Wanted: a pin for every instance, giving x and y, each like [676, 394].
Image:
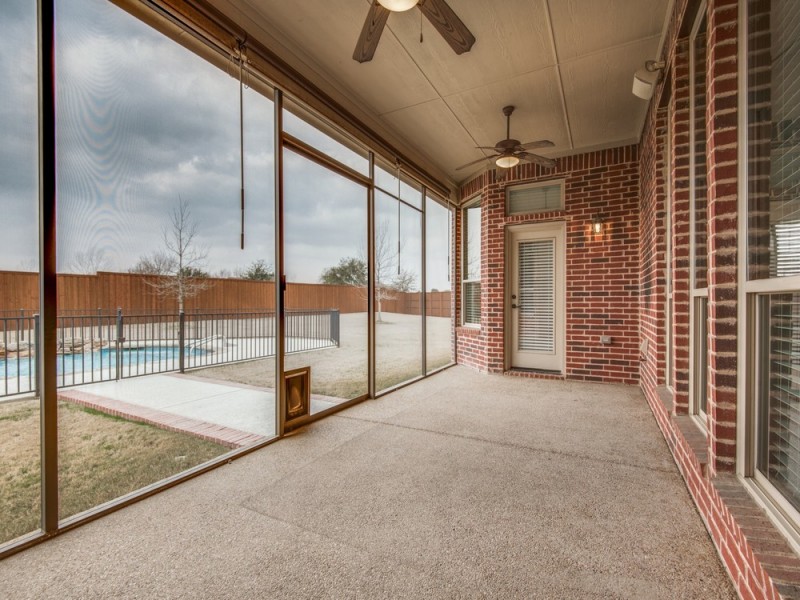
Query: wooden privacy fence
[134, 293]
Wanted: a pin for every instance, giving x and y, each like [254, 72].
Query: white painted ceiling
[567, 65]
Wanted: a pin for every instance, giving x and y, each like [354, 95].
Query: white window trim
[669, 311]
[471, 203]
[783, 515]
[556, 228]
[743, 467]
[694, 410]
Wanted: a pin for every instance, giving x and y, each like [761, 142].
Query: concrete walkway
[464, 485]
[224, 412]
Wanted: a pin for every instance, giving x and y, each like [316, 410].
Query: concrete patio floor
[463, 485]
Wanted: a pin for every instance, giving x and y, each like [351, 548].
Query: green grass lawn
[100, 458]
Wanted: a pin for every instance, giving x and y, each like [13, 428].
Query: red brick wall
[653, 249]
[470, 348]
[757, 557]
[602, 276]
[759, 561]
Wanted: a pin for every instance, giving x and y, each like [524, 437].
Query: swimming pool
[148, 360]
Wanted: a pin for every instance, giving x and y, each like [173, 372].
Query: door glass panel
[398, 265]
[438, 297]
[20, 472]
[325, 262]
[153, 285]
[536, 302]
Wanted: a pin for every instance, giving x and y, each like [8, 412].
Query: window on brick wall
[773, 250]
[698, 219]
[668, 309]
[535, 197]
[471, 267]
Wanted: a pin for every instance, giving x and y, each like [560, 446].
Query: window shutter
[531, 199]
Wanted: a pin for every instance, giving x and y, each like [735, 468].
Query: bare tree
[389, 278]
[185, 276]
[157, 263]
[89, 261]
[386, 267]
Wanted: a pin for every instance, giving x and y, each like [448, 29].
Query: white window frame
[699, 417]
[474, 202]
[785, 516]
[669, 313]
[532, 185]
[782, 514]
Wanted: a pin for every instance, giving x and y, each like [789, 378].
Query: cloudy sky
[142, 123]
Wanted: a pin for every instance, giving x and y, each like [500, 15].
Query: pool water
[147, 359]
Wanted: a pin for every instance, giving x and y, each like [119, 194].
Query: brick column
[470, 341]
[722, 149]
[652, 249]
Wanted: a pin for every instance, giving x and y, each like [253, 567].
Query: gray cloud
[143, 122]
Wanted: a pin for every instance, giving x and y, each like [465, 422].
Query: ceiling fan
[509, 152]
[438, 12]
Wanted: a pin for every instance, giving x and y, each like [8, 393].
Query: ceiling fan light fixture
[507, 161]
[398, 5]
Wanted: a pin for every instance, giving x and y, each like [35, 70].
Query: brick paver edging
[219, 434]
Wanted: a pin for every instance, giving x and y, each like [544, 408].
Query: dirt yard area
[342, 372]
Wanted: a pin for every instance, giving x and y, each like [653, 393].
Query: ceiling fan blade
[371, 32]
[536, 159]
[475, 162]
[537, 144]
[448, 25]
[494, 148]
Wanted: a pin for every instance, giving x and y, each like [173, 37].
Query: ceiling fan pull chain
[397, 166]
[420, 27]
[242, 58]
[398, 238]
[449, 239]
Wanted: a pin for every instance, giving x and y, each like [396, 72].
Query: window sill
[695, 438]
[755, 517]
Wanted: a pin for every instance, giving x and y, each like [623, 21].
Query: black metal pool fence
[103, 345]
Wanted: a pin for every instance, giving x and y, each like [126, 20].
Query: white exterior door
[536, 297]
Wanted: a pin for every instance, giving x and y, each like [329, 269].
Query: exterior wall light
[597, 224]
[507, 161]
[398, 5]
[644, 80]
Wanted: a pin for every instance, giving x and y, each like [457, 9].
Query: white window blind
[780, 432]
[472, 303]
[536, 305]
[531, 199]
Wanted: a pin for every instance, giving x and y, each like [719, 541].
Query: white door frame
[558, 230]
